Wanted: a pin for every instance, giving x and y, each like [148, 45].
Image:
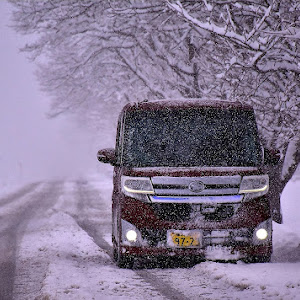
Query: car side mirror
[271, 157]
[107, 156]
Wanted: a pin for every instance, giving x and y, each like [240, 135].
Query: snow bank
[274, 280]
[286, 236]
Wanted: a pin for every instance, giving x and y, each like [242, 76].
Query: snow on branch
[213, 28]
[259, 24]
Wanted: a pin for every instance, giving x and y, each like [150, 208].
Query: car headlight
[131, 236]
[254, 186]
[137, 187]
[262, 234]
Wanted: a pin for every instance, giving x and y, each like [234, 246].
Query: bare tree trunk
[274, 194]
[278, 181]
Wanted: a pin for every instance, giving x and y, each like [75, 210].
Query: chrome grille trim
[179, 186]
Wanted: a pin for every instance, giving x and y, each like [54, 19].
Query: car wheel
[122, 261]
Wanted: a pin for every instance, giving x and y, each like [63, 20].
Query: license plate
[184, 238]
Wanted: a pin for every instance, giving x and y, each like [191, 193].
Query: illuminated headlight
[137, 187]
[263, 232]
[130, 234]
[254, 186]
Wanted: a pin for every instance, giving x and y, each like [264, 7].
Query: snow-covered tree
[96, 55]
[256, 52]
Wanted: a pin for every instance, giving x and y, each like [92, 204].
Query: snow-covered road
[55, 244]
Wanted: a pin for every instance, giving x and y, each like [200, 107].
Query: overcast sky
[33, 147]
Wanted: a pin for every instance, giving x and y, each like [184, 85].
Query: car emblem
[196, 186]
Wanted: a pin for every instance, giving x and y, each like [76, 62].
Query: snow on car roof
[184, 103]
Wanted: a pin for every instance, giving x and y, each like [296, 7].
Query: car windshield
[190, 137]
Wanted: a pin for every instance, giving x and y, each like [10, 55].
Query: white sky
[32, 147]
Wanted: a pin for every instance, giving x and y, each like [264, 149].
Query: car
[189, 181]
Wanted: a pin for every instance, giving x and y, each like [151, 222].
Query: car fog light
[131, 235]
[261, 234]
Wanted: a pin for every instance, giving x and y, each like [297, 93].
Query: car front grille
[196, 186]
[180, 212]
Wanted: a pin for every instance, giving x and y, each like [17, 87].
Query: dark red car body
[210, 200]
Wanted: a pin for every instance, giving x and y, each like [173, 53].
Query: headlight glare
[261, 234]
[131, 235]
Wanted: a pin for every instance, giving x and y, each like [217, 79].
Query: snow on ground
[7, 188]
[78, 269]
[75, 267]
[14, 205]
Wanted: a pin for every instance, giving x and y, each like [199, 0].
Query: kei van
[189, 181]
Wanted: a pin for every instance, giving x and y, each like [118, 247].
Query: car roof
[184, 103]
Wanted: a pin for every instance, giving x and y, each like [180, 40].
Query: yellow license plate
[184, 238]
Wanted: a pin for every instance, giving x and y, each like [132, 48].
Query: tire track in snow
[14, 227]
[93, 216]
[90, 199]
[19, 193]
[162, 286]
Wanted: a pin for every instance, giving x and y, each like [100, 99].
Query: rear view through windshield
[191, 137]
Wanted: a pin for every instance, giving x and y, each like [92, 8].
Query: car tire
[122, 261]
